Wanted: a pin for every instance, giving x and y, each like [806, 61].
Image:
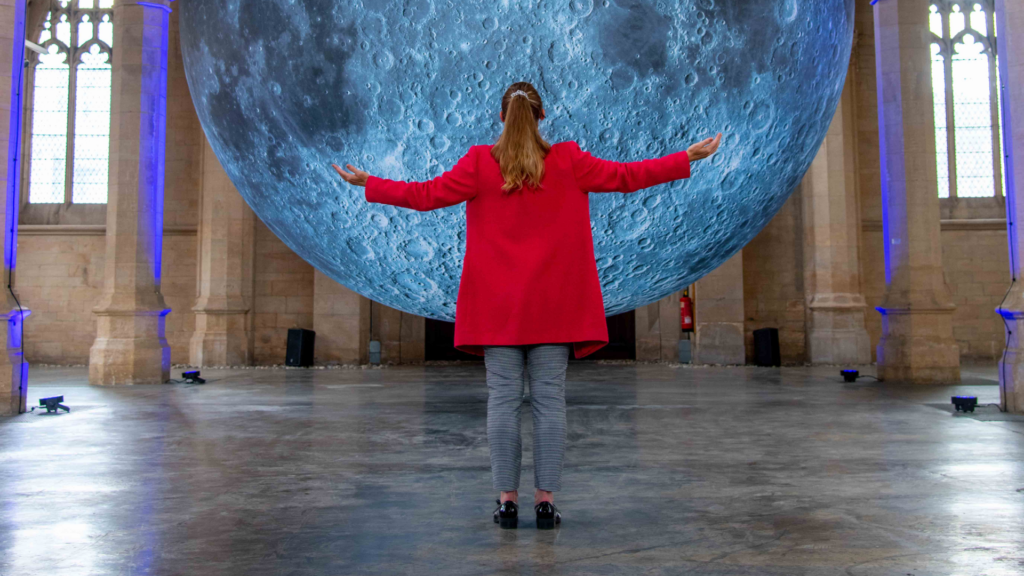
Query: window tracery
[966, 94]
[70, 113]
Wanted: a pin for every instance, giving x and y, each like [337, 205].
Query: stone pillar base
[720, 343]
[829, 346]
[918, 348]
[836, 332]
[15, 371]
[221, 338]
[130, 348]
[13, 368]
[1011, 366]
[1011, 378]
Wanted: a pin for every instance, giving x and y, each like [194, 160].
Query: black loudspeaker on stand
[300, 347]
[766, 347]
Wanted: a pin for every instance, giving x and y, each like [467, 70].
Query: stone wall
[59, 278]
[873, 283]
[977, 271]
[178, 285]
[283, 296]
[977, 267]
[773, 283]
[184, 143]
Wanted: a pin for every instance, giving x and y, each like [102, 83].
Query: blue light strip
[16, 323]
[1007, 131]
[14, 139]
[160, 6]
[160, 151]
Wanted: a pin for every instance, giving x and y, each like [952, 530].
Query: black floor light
[53, 404]
[192, 377]
[965, 403]
[850, 375]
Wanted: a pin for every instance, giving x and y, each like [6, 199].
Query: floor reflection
[386, 471]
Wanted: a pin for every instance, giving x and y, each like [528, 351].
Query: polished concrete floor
[669, 470]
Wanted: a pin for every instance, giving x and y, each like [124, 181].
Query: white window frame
[55, 213]
[946, 44]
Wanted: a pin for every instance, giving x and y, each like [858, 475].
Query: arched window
[966, 91]
[70, 114]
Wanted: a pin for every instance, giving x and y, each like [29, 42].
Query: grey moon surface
[402, 89]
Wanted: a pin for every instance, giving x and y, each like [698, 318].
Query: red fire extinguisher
[686, 310]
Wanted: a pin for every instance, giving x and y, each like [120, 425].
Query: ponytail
[520, 149]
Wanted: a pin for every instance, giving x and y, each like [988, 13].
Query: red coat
[529, 274]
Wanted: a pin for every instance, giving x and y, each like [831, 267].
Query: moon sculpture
[403, 88]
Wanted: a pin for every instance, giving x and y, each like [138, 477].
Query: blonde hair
[520, 150]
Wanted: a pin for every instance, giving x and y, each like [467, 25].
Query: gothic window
[966, 91]
[70, 104]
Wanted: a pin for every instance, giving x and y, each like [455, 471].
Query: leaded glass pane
[972, 110]
[956, 22]
[966, 98]
[941, 144]
[979, 21]
[84, 30]
[48, 162]
[935, 21]
[1001, 151]
[106, 32]
[76, 25]
[92, 128]
[64, 30]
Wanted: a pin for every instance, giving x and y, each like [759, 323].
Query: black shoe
[547, 515]
[507, 514]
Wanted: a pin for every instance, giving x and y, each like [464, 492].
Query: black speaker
[766, 347]
[300, 347]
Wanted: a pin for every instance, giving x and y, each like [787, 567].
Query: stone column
[917, 342]
[13, 368]
[835, 304]
[658, 330]
[1010, 18]
[341, 320]
[130, 347]
[227, 230]
[718, 315]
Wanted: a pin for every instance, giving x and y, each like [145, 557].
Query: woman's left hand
[704, 148]
[357, 177]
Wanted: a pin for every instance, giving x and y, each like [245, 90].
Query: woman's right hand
[356, 177]
[704, 148]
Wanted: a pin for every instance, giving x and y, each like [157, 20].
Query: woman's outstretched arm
[597, 175]
[454, 186]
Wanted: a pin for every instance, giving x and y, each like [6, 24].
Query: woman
[529, 289]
